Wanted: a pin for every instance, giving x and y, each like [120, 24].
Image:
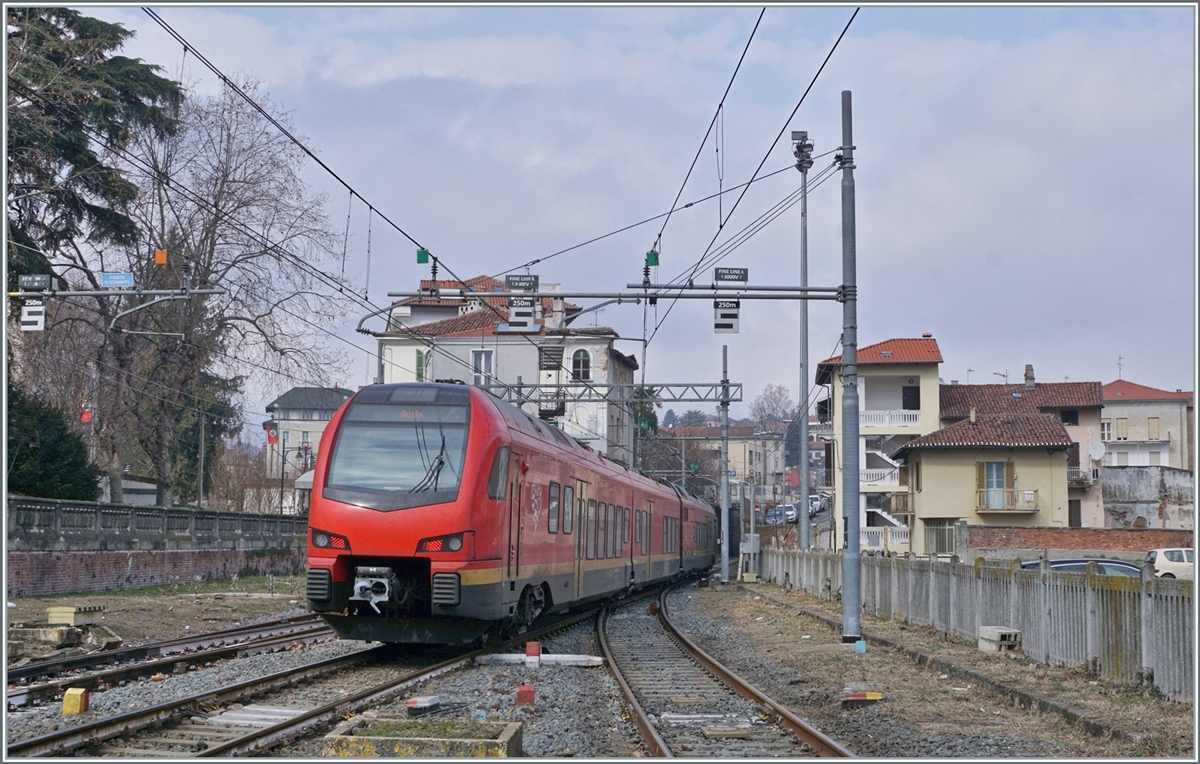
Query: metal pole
[724, 464]
[803, 162]
[753, 502]
[683, 463]
[200, 497]
[851, 564]
[282, 451]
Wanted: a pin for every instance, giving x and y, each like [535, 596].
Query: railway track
[225, 722]
[687, 704]
[144, 661]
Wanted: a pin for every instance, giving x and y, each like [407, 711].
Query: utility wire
[767, 155]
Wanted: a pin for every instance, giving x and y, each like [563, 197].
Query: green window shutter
[1010, 475]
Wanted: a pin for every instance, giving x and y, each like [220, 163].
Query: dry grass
[162, 612]
[934, 702]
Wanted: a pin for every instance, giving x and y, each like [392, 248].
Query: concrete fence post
[1145, 620]
[1044, 607]
[908, 575]
[933, 590]
[1090, 631]
[952, 616]
[979, 598]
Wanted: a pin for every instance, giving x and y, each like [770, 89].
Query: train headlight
[453, 543]
[326, 540]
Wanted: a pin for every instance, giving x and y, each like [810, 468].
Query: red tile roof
[1124, 390]
[922, 350]
[957, 400]
[989, 431]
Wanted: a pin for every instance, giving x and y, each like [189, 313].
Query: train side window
[590, 529]
[601, 531]
[552, 518]
[619, 517]
[498, 481]
[637, 526]
[625, 525]
[611, 549]
[647, 542]
[568, 504]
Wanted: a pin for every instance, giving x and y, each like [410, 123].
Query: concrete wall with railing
[1129, 630]
[56, 547]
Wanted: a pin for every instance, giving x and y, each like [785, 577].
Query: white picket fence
[1122, 628]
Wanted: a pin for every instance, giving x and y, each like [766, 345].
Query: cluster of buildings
[931, 453]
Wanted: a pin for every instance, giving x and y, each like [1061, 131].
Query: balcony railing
[884, 418]
[902, 504]
[1079, 476]
[879, 477]
[1005, 500]
[883, 538]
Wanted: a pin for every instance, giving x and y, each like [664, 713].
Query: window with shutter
[1152, 428]
[1122, 428]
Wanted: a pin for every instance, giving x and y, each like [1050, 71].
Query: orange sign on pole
[160, 257]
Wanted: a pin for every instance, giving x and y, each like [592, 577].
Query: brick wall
[32, 574]
[983, 540]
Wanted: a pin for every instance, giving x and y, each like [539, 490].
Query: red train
[440, 514]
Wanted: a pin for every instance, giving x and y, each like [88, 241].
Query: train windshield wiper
[430, 481]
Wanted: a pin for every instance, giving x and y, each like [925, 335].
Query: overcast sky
[1026, 177]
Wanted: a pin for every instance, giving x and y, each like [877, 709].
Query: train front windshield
[398, 455]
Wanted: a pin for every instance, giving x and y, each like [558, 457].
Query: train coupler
[373, 585]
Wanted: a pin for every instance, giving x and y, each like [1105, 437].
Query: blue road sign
[116, 280]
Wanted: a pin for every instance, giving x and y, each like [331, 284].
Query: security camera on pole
[803, 151]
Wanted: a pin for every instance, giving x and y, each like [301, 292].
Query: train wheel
[533, 602]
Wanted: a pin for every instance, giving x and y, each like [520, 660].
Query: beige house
[756, 458]
[1006, 470]
[1145, 427]
[1077, 406]
[899, 400]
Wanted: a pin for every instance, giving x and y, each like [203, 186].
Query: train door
[647, 548]
[514, 524]
[581, 494]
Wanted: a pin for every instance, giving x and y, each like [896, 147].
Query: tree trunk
[166, 464]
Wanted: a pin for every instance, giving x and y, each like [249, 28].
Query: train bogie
[440, 513]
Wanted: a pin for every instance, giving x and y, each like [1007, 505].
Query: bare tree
[773, 404]
[223, 196]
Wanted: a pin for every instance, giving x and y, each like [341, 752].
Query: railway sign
[35, 282]
[726, 321]
[33, 316]
[116, 280]
[520, 314]
[731, 274]
[527, 282]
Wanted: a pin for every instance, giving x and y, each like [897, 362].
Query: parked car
[775, 516]
[1173, 563]
[790, 515]
[1107, 567]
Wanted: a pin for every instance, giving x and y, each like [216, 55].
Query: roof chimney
[1029, 384]
[954, 381]
[972, 415]
[927, 335]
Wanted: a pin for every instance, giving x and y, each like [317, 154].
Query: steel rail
[157, 649]
[131, 721]
[22, 695]
[653, 741]
[284, 731]
[822, 744]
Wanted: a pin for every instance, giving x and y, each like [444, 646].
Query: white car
[1173, 563]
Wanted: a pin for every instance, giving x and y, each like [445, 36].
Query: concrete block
[74, 615]
[381, 737]
[524, 695]
[75, 701]
[48, 636]
[998, 639]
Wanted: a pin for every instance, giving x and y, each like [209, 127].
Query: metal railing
[1005, 499]
[1128, 630]
[888, 476]
[901, 504]
[889, 418]
[1079, 476]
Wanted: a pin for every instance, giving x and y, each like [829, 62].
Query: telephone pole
[851, 564]
[725, 464]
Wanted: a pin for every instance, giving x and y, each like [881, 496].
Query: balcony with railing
[889, 418]
[1079, 477]
[887, 538]
[1005, 500]
[902, 504]
[889, 476]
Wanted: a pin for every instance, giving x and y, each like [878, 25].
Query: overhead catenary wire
[766, 156]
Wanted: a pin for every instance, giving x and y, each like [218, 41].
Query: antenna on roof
[1120, 367]
[1005, 375]
[969, 375]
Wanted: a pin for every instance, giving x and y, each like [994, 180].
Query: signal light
[325, 540]
[452, 543]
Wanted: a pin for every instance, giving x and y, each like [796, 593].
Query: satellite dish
[1097, 451]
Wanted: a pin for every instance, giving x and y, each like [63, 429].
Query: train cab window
[568, 504]
[498, 480]
[590, 529]
[552, 518]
